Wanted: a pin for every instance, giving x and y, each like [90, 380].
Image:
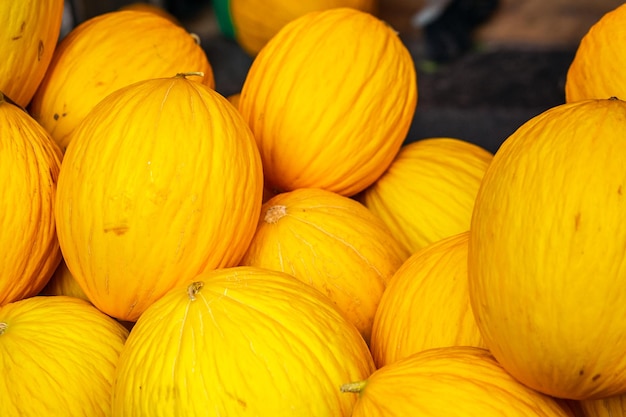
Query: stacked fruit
[169, 251]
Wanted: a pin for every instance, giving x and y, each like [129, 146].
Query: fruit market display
[105, 53]
[428, 191]
[168, 251]
[331, 242]
[252, 23]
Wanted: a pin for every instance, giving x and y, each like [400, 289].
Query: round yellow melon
[456, 381]
[330, 100]
[30, 31]
[240, 341]
[253, 22]
[59, 356]
[426, 304]
[428, 192]
[332, 243]
[105, 53]
[30, 162]
[597, 70]
[164, 181]
[546, 263]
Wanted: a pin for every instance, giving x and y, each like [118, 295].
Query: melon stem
[189, 74]
[193, 289]
[355, 387]
[274, 214]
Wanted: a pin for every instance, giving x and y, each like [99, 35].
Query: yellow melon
[330, 99]
[546, 261]
[105, 53]
[332, 243]
[456, 381]
[253, 22]
[58, 358]
[30, 31]
[30, 163]
[240, 341]
[428, 192]
[63, 282]
[164, 181]
[597, 68]
[426, 304]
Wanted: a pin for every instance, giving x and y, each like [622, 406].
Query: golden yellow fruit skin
[614, 406]
[63, 283]
[428, 192]
[164, 182]
[456, 381]
[256, 22]
[332, 243]
[330, 100]
[30, 31]
[597, 70]
[426, 304]
[58, 357]
[30, 162]
[546, 251]
[105, 53]
[249, 342]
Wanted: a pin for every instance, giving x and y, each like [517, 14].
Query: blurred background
[513, 66]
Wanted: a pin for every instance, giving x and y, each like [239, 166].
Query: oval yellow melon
[426, 304]
[428, 192]
[332, 243]
[105, 53]
[164, 182]
[240, 341]
[59, 356]
[30, 162]
[330, 99]
[546, 261]
[455, 381]
[30, 31]
[597, 70]
[254, 23]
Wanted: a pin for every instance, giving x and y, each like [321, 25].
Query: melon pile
[284, 251]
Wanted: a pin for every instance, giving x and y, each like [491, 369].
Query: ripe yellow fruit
[30, 31]
[614, 406]
[428, 192]
[426, 304]
[63, 282]
[240, 341]
[597, 70]
[546, 261]
[59, 356]
[30, 162]
[330, 99]
[332, 243]
[162, 180]
[455, 381]
[255, 22]
[108, 52]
